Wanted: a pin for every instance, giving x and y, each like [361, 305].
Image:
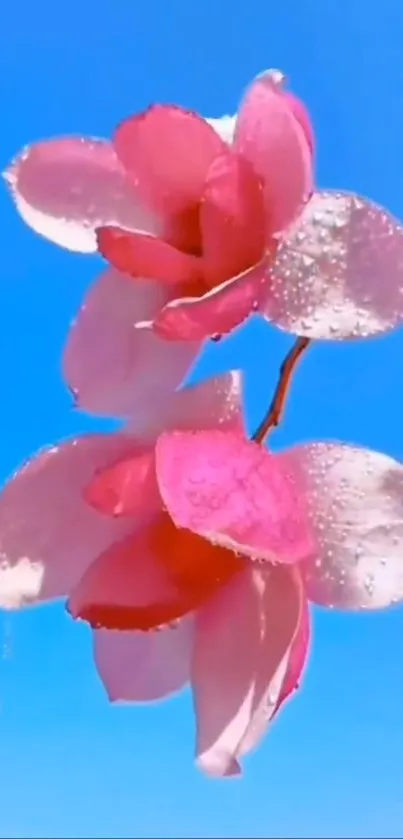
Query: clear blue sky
[70, 765]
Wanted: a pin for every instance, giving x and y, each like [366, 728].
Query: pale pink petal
[144, 666]
[48, 534]
[142, 255]
[167, 152]
[242, 647]
[64, 189]
[215, 313]
[299, 655]
[234, 493]
[117, 369]
[271, 138]
[302, 115]
[338, 273]
[232, 219]
[355, 499]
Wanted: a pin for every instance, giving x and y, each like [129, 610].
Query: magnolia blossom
[221, 218]
[171, 200]
[194, 560]
[185, 210]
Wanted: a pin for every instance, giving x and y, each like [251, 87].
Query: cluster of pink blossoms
[191, 551]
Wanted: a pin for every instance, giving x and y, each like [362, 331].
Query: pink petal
[141, 255]
[215, 313]
[234, 493]
[338, 272]
[302, 115]
[167, 152]
[232, 219]
[299, 655]
[144, 666]
[355, 498]
[149, 579]
[242, 646]
[273, 141]
[126, 488]
[64, 189]
[127, 588]
[116, 369]
[48, 534]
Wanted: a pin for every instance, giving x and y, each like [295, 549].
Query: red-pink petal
[149, 579]
[142, 255]
[144, 666]
[234, 493]
[167, 152]
[271, 138]
[338, 272]
[355, 498]
[243, 640]
[232, 219]
[117, 369]
[215, 313]
[125, 488]
[48, 534]
[64, 189]
[127, 588]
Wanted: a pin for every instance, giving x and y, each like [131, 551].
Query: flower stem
[278, 403]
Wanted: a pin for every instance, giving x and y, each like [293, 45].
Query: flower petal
[234, 493]
[234, 704]
[355, 499]
[215, 313]
[48, 534]
[144, 666]
[338, 273]
[270, 137]
[151, 578]
[64, 189]
[127, 487]
[302, 115]
[116, 369]
[167, 152]
[299, 655]
[232, 219]
[141, 255]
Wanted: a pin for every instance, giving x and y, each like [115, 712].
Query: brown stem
[276, 409]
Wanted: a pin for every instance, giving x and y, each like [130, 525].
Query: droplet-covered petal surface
[49, 535]
[66, 188]
[338, 273]
[355, 499]
[234, 493]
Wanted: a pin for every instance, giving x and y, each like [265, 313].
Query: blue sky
[70, 765]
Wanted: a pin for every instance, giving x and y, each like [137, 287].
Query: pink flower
[186, 210]
[210, 210]
[217, 543]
